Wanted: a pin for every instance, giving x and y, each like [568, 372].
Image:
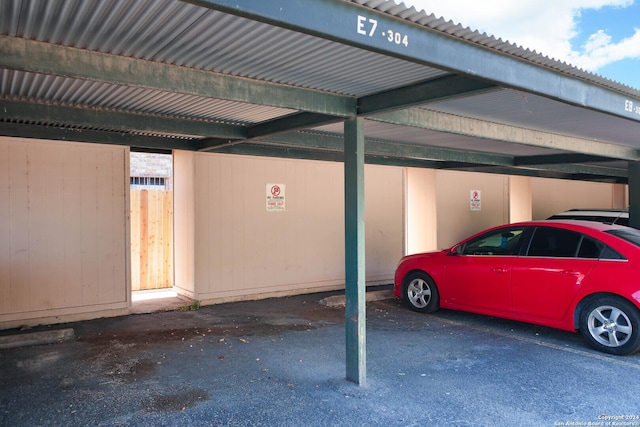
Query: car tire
[421, 293]
[611, 324]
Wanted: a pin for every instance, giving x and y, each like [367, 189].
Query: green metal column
[355, 314]
[634, 194]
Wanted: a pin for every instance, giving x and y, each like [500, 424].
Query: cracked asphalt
[281, 362]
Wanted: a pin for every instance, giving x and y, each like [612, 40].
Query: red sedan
[570, 275]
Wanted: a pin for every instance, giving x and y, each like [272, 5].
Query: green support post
[355, 314]
[634, 194]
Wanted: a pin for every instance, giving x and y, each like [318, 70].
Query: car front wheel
[421, 293]
[611, 325]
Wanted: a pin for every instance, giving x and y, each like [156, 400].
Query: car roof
[575, 224]
[568, 224]
[597, 210]
[613, 213]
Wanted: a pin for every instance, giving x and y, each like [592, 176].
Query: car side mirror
[455, 251]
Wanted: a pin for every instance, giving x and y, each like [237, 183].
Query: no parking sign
[275, 197]
[475, 201]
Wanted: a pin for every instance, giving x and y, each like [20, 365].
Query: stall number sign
[475, 200]
[275, 198]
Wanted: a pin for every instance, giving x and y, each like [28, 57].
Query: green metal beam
[542, 173]
[421, 93]
[375, 147]
[428, 91]
[634, 194]
[384, 148]
[416, 94]
[38, 57]
[312, 140]
[290, 123]
[142, 142]
[317, 145]
[263, 150]
[287, 152]
[327, 148]
[216, 144]
[551, 159]
[444, 122]
[599, 179]
[583, 169]
[17, 111]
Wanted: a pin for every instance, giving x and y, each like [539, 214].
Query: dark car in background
[606, 216]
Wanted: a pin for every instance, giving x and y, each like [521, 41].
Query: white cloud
[546, 26]
[600, 51]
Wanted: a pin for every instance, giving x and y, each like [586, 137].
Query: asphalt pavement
[281, 362]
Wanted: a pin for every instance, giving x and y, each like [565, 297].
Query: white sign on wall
[275, 197]
[475, 200]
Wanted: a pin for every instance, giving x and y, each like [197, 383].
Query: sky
[599, 36]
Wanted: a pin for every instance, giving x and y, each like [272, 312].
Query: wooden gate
[151, 239]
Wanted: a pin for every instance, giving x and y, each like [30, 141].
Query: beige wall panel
[242, 249]
[456, 220]
[184, 222]
[246, 247]
[65, 220]
[5, 227]
[44, 213]
[112, 247]
[519, 198]
[421, 211]
[620, 196]
[550, 196]
[383, 221]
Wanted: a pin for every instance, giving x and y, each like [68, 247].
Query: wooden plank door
[151, 239]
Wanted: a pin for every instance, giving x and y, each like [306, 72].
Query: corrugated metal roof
[427, 138]
[522, 109]
[185, 35]
[179, 33]
[465, 33]
[57, 90]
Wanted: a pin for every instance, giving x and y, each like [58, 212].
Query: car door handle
[571, 272]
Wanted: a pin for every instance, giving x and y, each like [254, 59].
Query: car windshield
[629, 234]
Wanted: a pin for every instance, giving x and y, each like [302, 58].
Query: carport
[363, 81]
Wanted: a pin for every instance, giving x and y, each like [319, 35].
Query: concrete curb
[37, 338]
[340, 300]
